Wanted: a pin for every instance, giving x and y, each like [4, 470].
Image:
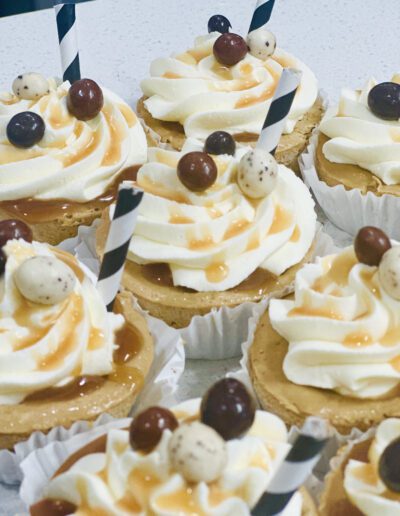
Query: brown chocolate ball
[220, 142]
[85, 99]
[53, 507]
[197, 171]
[389, 466]
[370, 245]
[229, 49]
[13, 229]
[229, 408]
[3, 260]
[147, 428]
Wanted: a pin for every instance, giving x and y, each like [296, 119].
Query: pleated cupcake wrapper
[159, 389]
[350, 210]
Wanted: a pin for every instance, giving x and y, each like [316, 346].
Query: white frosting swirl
[75, 160]
[343, 329]
[214, 240]
[358, 137]
[361, 480]
[122, 481]
[44, 346]
[195, 90]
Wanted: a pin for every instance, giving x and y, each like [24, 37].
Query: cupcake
[63, 357]
[333, 349]
[353, 167]
[63, 151]
[365, 477]
[184, 461]
[226, 83]
[215, 230]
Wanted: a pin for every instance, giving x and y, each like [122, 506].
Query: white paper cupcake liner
[350, 210]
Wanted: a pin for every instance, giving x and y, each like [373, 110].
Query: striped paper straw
[67, 37]
[262, 14]
[295, 469]
[118, 240]
[280, 106]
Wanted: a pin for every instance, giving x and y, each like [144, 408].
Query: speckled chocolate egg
[197, 452]
[261, 43]
[389, 272]
[257, 173]
[30, 86]
[44, 280]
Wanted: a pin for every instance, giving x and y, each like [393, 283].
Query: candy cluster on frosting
[64, 142]
[54, 326]
[214, 457]
[343, 326]
[374, 486]
[224, 82]
[364, 130]
[216, 218]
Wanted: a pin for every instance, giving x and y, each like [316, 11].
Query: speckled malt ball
[261, 43]
[389, 272]
[30, 86]
[257, 173]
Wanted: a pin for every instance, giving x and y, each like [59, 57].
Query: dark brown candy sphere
[229, 49]
[384, 100]
[220, 142]
[85, 99]
[25, 129]
[52, 507]
[147, 428]
[197, 171]
[3, 260]
[389, 466]
[229, 408]
[370, 245]
[13, 229]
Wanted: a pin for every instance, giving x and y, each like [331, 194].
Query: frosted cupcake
[215, 230]
[182, 461]
[226, 83]
[333, 350]
[365, 478]
[63, 357]
[353, 167]
[63, 152]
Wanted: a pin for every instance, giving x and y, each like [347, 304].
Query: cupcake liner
[350, 210]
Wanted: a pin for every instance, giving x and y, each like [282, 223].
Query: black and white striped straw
[68, 40]
[280, 106]
[295, 469]
[262, 14]
[119, 237]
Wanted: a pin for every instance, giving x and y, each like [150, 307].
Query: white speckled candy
[30, 86]
[197, 452]
[257, 174]
[389, 272]
[261, 43]
[44, 280]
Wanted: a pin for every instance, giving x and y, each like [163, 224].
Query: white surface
[343, 41]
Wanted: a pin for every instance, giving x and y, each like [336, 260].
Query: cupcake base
[293, 403]
[287, 153]
[112, 395]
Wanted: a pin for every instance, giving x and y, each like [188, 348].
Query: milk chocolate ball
[230, 49]
[13, 229]
[370, 245]
[147, 427]
[197, 171]
[85, 99]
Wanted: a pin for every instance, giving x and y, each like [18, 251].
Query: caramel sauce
[34, 211]
[113, 154]
[126, 375]
[172, 75]
[214, 213]
[246, 68]
[282, 220]
[166, 159]
[11, 154]
[181, 501]
[59, 118]
[236, 228]
[159, 190]
[224, 72]
[391, 338]
[305, 311]
[159, 274]
[366, 473]
[198, 54]
[368, 279]
[358, 340]
[217, 272]
[178, 217]
[186, 58]
[49, 507]
[96, 339]
[253, 243]
[79, 387]
[338, 272]
[128, 114]
[296, 234]
[395, 363]
[200, 244]
[141, 484]
[71, 261]
[129, 342]
[251, 100]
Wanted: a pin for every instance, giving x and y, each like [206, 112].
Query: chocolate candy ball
[219, 23]
[25, 129]
[389, 272]
[13, 229]
[228, 408]
[220, 142]
[197, 171]
[30, 86]
[389, 466]
[85, 99]
[229, 49]
[3, 260]
[257, 173]
[370, 245]
[147, 428]
[261, 43]
[384, 100]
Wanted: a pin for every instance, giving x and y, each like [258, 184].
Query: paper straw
[280, 106]
[262, 14]
[67, 37]
[118, 240]
[295, 469]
